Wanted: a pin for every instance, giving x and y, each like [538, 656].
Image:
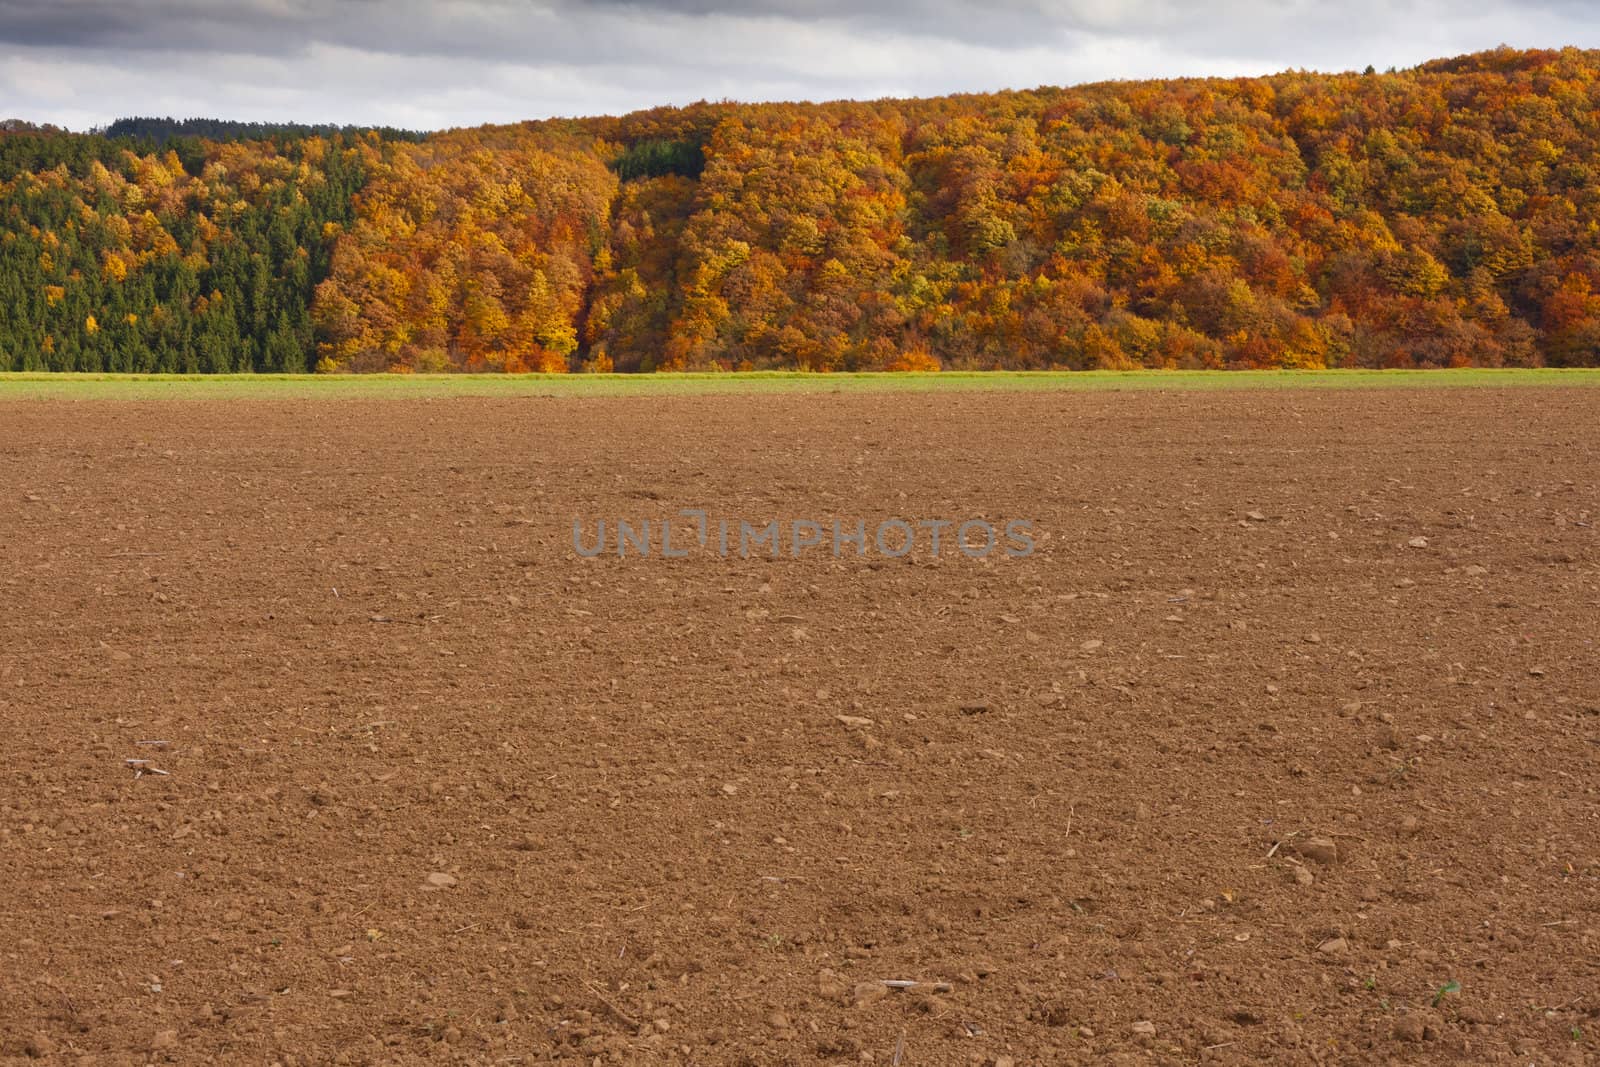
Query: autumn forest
[1447, 215]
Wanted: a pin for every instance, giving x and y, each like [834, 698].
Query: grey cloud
[137, 24]
[504, 28]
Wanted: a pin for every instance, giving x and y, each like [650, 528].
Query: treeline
[159, 131]
[1447, 215]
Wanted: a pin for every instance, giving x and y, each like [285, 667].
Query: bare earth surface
[1189, 784]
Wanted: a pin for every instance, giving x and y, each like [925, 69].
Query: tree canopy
[1442, 216]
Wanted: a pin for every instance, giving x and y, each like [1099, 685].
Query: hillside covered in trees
[1446, 215]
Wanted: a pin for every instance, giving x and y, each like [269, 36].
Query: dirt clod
[1317, 849]
[868, 993]
[1419, 1026]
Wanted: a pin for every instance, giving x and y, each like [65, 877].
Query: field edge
[59, 385]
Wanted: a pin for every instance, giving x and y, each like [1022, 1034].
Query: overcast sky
[426, 65]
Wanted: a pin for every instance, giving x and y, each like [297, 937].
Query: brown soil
[1186, 785]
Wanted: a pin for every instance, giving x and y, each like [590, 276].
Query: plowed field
[1283, 745]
